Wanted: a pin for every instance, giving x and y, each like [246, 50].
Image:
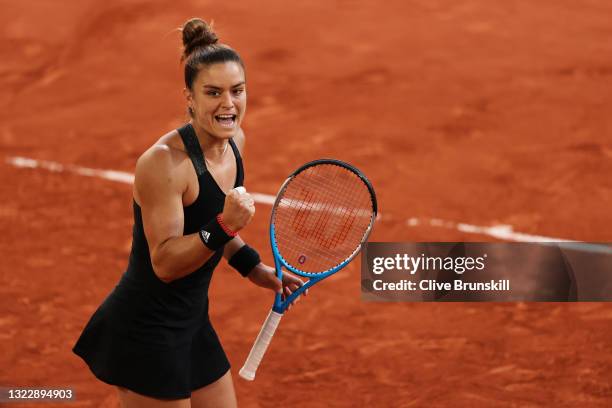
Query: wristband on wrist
[244, 260]
[215, 234]
[225, 227]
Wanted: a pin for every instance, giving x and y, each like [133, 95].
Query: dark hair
[201, 48]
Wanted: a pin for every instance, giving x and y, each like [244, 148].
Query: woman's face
[218, 99]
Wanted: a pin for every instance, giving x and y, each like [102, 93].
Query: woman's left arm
[264, 275]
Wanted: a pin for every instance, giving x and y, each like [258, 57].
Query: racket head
[323, 213]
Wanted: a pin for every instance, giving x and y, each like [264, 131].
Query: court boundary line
[500, 231]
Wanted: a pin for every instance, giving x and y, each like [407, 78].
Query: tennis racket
[322, 214]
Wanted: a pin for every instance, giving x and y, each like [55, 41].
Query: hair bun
[197, 33]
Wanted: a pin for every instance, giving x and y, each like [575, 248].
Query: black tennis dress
[152, 337]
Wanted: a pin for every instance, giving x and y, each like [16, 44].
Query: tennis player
[152, 337]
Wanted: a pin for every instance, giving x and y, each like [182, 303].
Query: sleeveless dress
[152, 337]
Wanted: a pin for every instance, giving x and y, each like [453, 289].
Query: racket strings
[324, 221]
[322, 217]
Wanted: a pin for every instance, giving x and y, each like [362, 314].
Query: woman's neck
[214, 148]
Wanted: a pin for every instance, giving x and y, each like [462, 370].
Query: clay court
[477, 112]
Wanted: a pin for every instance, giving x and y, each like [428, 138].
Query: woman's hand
[238, 210]
[265, 276]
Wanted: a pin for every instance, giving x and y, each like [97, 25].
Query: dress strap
[194, 150]
[239, 168]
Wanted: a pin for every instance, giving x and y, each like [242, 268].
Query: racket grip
[261, 344]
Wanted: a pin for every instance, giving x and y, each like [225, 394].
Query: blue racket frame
[281, 305]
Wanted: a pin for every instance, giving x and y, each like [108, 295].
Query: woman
[151, 337]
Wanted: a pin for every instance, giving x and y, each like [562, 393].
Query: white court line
[501, 231]
[505, 232]
[112, 175]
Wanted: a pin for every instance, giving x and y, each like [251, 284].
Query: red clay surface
[475, 111]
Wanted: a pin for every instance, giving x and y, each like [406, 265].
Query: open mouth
[226, 120]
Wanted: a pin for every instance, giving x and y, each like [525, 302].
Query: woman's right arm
[159, 189]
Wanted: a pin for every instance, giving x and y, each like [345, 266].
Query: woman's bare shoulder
[167, 151]
[239, 139]
[165, 157]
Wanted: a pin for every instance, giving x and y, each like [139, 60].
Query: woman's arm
[232, 247]
[159, 188]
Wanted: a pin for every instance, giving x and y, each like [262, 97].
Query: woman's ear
[188, 97]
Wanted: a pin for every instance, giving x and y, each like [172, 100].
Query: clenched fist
[238, 209]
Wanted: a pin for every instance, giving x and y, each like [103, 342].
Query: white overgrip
[261, 344]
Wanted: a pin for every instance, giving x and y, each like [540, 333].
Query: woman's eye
[238, 91]
[213, 93]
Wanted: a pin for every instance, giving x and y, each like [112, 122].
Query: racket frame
[280, 305]
[266, 333]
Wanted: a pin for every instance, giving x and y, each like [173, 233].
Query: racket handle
[240, 190]
[261, 344]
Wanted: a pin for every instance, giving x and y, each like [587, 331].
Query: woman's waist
[162, 298]
[147, 318]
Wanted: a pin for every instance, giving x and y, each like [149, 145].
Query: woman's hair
[201, 48]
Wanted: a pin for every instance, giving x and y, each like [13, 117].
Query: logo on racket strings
[302, 259]
[314, 225]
